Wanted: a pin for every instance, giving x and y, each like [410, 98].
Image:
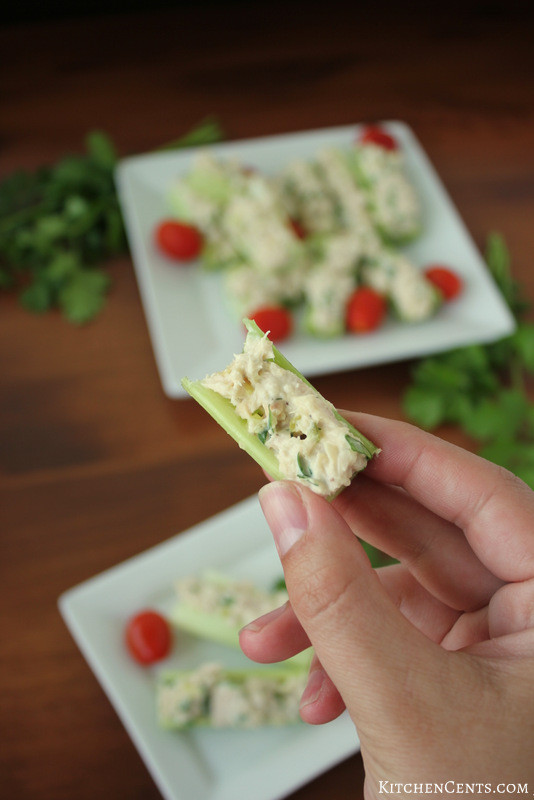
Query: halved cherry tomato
[179, 240]
[366, 310]
[274, 320]
[445, 279]
[298, 228]
[148, 637]
[376, 135]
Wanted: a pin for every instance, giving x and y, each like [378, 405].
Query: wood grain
[96, 464]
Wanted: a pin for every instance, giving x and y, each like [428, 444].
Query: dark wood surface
[96, 463]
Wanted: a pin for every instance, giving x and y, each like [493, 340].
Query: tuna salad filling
[311, 443]
[236, 602]
[220, 698]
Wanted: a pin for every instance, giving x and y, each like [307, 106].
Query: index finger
[493, 507]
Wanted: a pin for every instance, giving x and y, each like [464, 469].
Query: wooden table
[96, 463]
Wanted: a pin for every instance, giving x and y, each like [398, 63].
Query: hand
[433, 657]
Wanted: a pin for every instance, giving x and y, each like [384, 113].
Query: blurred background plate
[202, 764]
[191, 328]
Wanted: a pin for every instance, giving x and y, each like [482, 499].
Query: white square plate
[204, 764]
[193, 333]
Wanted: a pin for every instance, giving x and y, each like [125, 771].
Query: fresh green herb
[60, 223]
[482, 388]
[357, 446]
[304, 468]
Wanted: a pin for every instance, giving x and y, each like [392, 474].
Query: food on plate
[308, 236]
[446, 280]
[148, 636]
[378, 166]
[365, 310]
[179, 240]
[215, 607]
[411, 295]
[281, 420]
[276, 320]
[374, 134]
[215, 696]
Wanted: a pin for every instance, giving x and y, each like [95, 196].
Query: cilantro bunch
[56, 225]
[482, 388]
[59, 224]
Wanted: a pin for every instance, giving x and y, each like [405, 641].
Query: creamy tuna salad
[301, 239]
[233, 602]
[311, 442]
[221, 698]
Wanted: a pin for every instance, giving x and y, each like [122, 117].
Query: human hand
[433, 657]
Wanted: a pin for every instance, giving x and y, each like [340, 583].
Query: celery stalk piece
[221, 624]
[223, 412]
[215, 696]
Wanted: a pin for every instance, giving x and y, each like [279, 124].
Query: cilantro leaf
[83, 296]
[60, 220]
[481, 388]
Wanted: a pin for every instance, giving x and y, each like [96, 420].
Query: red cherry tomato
[179, 240]
[274, 320]
[376, 135]
[298, 228]
[366, 310]
[148, 637]
[445, 279]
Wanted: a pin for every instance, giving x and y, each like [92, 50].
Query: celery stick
[222, 410]
[218, 697]
[214, 606]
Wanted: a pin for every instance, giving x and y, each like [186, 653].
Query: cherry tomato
[298, 228]
[376, 135]
[179, 240]
[148, 637]
[445, 279]
[366, 310]
[274, 320]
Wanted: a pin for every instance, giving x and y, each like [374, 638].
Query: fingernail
[260, 623]
[285, 512]
[313, 687]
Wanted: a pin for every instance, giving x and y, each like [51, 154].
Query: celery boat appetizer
[214, 606]
[217, 697]
[412, 297]
[391, 199]
[281, 420]
[306, 198]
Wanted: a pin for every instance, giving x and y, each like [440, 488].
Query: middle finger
[434, 550]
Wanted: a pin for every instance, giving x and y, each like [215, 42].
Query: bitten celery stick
[281, 420]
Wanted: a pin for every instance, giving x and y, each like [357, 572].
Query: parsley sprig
[483, 388]
[61, 223]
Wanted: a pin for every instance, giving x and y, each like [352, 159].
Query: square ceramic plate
[192, 331]
[204, 764]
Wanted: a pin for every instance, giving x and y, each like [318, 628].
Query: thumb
[367, 647]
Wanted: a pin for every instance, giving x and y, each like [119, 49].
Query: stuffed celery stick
[278, 417]
[215, 606]
[413, 298]
[217, 697]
